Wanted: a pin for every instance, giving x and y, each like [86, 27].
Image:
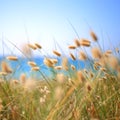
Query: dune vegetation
[70, 92]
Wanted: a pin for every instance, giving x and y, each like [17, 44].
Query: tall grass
[70, 93]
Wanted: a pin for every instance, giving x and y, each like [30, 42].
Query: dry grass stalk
[93, 35]
[38, 45]
[82, 55]
[117, 50]
[56, 53]
[32, 46]
[31, 63]
[72, 56]
[48, 62]
[5, 67]
[96, 53]
[72, 47]
[13, 58]
[85, 42]
[77, 43]
[36, 68]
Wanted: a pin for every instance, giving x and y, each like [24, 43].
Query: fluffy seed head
[56, 53]
[93, 35]
[48, 62]
[32, 46]
[85, 42]
[88, 87]
[36, 68]
[54, 61]
[38, 45]
[72, 47]
[73, 67]
[31, 63]
[22, 78]
[5, 67]
[13, 58]
[96, 53]
[72, 56]
[58, 67]
[82, 56]
[77, 43]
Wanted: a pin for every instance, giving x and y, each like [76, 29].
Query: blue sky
[44, 21]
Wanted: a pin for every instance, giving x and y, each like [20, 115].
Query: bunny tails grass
[82, 83]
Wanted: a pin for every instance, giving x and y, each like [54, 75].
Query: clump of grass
[70, 92]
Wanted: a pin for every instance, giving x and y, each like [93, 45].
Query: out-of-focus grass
[92, 93]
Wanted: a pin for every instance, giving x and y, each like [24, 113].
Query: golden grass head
[32, 46]
[72, 47]
[22, 78]
[73, 67]
[88, 87]
[58, 67]
[13, 58]
[77, 43]
[96, 53]
[32, 63]
[82, 55]
[38, 46]
[54, 61]
[48, 62]
[56, 53]
[36, 68]
[5, 67]
[72, 56]
[93, 35]
[85, 42]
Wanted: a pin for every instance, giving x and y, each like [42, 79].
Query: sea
[21, 66]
